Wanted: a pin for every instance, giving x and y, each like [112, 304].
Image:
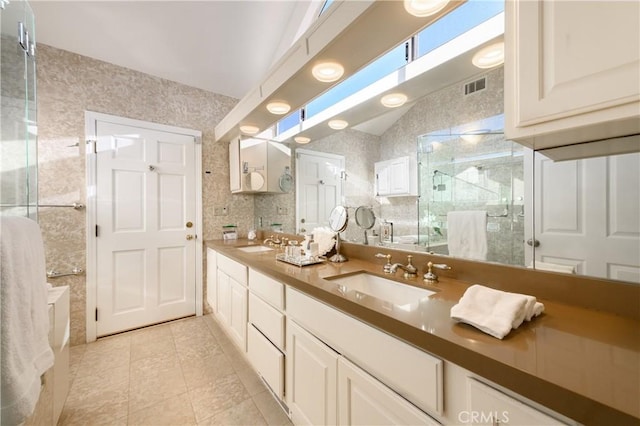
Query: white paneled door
[146, 226]
[587, 215]
[319, 188]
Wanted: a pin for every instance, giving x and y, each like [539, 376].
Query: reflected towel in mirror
[467, 234]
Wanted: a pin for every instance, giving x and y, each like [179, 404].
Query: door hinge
[96, 314]
[96, 230]
[94, 145]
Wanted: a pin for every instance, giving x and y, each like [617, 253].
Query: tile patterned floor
[186, 372]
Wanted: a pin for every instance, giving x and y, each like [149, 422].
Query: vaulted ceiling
[224, 46]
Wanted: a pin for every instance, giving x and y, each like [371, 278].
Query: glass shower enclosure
[18, 129]
[473, 168]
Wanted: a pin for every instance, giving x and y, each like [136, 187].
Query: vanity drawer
[267, 360]
[267, 288]
[267, 319]
[234, 269]
[498, 407]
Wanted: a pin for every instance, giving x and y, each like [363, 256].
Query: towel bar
[55, 274]
[76, 206]
[505, 213]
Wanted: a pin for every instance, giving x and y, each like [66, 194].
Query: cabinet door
[488, 406]
[311, 378]
[238, 316]
[399, 176]
[212, 278]
[382, 178]
[223, 303]
[234, 165]
[363, 400]
[564, 73]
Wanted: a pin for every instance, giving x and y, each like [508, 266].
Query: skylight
[382, 73]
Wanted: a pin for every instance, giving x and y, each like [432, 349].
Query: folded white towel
[493, 311]
[25, 353]
[467, 234]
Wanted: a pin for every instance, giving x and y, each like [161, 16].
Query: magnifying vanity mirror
[338, 220]
[365, 219]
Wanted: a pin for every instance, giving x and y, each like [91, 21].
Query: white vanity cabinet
[266, 330]
[397, 177]
[212, 278]
[571, 71]
[232, 296]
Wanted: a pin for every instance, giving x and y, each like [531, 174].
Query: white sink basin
[380, 288]
[255, 249]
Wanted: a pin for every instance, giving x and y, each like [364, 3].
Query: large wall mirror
[573, 217]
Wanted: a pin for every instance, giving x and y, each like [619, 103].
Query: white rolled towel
[493, 311]
[325, 238]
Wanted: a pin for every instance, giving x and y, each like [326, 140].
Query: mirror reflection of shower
[467, 170]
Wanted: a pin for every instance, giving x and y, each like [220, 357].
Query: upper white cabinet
[397, 177]
[571, 71]
[257, 165]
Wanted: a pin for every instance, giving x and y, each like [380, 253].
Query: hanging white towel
[25, 353]
[467, 234]
[493, 311]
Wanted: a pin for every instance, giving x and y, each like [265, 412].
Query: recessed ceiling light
[327, 71]
[490, 56]
[422, 8]
[338, 124]
[393, 100]
[278, 107]
[249, 129]
[302, 139]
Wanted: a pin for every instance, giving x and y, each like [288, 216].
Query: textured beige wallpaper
[69, 85]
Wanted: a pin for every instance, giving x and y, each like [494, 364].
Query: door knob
[533, 243]
[189, 237]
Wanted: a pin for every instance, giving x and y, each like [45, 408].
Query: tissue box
[229, 232]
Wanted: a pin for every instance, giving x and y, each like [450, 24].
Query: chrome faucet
[272, 241]
[410, 271]
[431, 277]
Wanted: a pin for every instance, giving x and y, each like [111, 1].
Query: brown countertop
[582, 363]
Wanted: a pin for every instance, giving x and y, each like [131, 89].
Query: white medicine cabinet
[396, 177]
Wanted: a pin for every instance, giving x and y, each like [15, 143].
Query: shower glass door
[18, 151]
